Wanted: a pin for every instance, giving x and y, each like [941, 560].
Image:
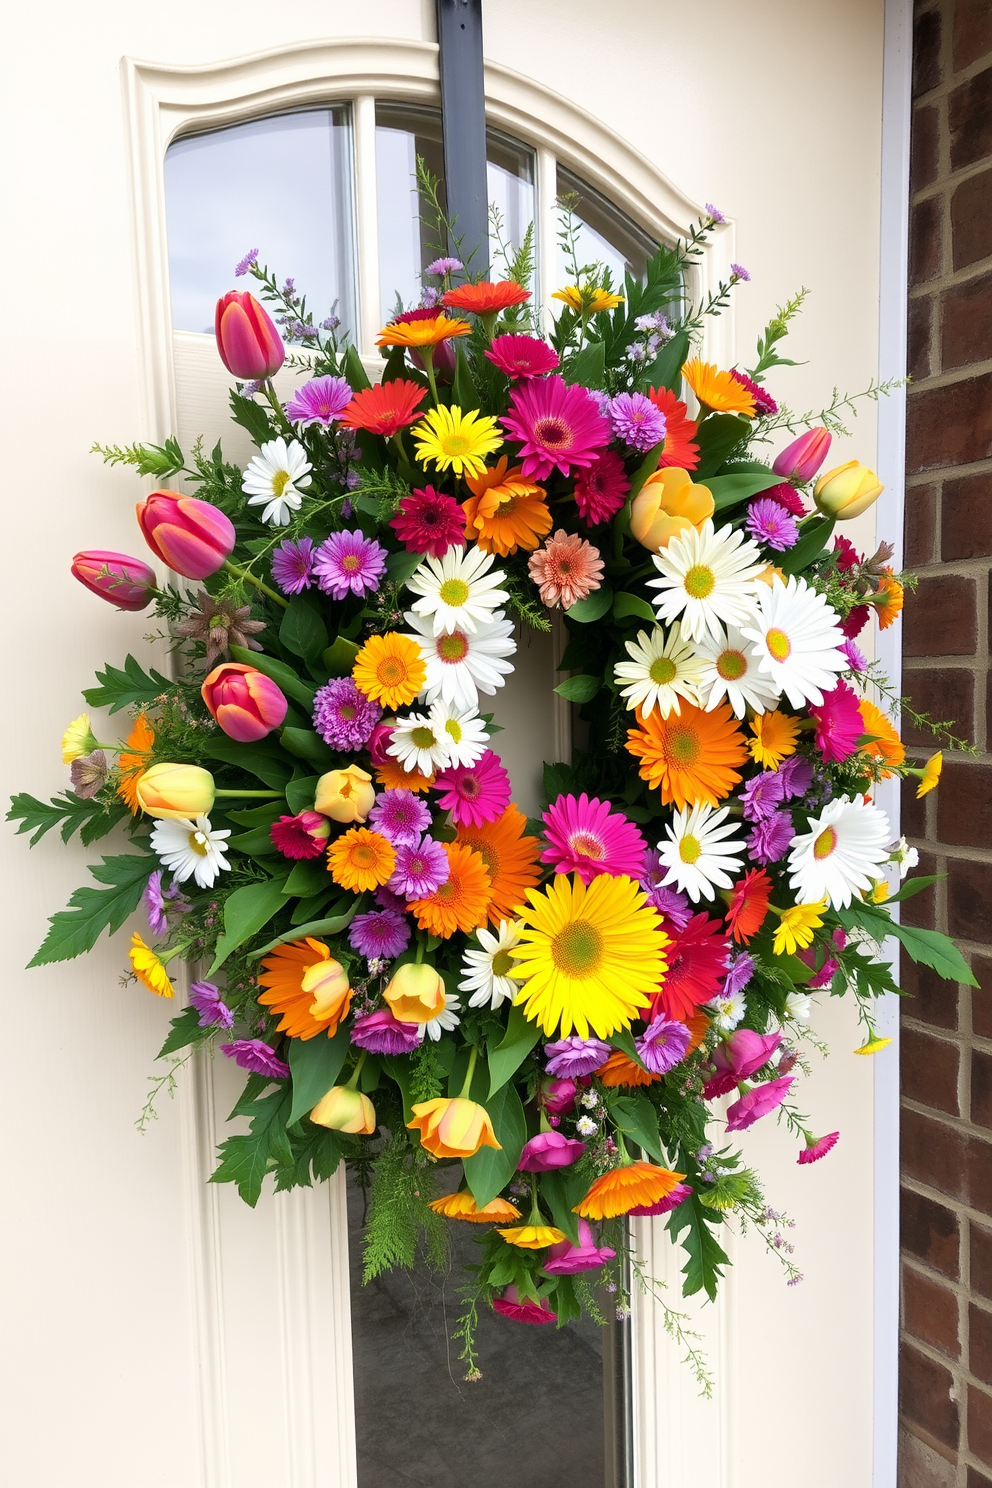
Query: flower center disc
[585, 845]
[690, 849]
[347, 711]
[699, 582]
[453, 592]
[553, 433]
[280, 481]
[731, 665]
[350, 562]
[577, 950]
[454, 730]
[502, 964]
[390, 671]
[423, 738]
[452, 648]
[681, 748]
[662, 669]
[455, 444]
[778, 643]
[825, 843]
[364, 856]
[198, 844]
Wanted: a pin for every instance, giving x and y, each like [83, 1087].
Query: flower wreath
[412, 973]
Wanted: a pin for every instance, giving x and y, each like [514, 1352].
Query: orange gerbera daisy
[775, 736]
[462, 1206]
[888, 599]
[680, 430]
[133, 761]
[392, 776]
[620, 1070]
[717, 390]
[390, 669]
[361, 860]
[885, 742]
[418, 333]
[748, 904]
[459, 904]
[386, 408]
[505, 512]
[623, 1189]
[307, 986]
[689, 756]
[511, 859]
[698, 1026]
[486, 298]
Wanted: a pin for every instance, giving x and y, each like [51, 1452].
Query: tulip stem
[280, 412]
[249, 578]
[260, 795]
[419, 954]
[473, 1055]
[356, 1072]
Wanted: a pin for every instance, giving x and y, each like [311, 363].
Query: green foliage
[245, 912]
[91, 819]
[506, 1056]
[127, 687]
[580, 689]
[252, 416]
[184, 1030]
[160, 460]
[926, 947]
[91, 911]
[314, 1065]
[489, 1171]
[399, 1221]
[706, 1257]
[245, 1160]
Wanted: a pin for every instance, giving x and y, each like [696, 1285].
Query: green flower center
[690, 848]
[731, 665]
[699, 582]
[662, 670]
[681, 748]
[453, 592]
[502, 964]
[452, 648]
[423, 738]
[577, 950]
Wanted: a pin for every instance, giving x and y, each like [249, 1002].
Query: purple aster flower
[769, 839]
[740, 272]
[344, 717]
[331, 323]
[663, 1045]
[381, 1033]
[637, 421]
[206, 998]
[249, 389]
[319, 401]
[442, 266]
[796, 775]
[715, 214]
[430, 297]
[573, 1056]
[654, 869]
[672, 906]
[740, 970]
[762, 795]
[154, 902]
[349, 563]
[420, 869]
[400, 816]
[656, 321]
[769, 522]
[246, 263]
[855, 657]
[255, 1056]
[386, 899]
[292, 566]
[380, 935]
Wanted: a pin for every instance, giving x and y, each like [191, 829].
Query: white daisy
[904, 856]
[663, 668]
[701, 853]
[462, 664]
[707, 575]
[446, 1020]
[464, 734]
[730, 670]
[727, 1012]
[191, 849]
[418, 744]
[798, 1006]
[275, 478]
[458, 591]
[841, 854]
[797, 638]
[488, 973]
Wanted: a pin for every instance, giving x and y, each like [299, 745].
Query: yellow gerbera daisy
[717, 390]
[78, 739]
[587, 299]
[590, 956]
[775, 736]
[455, 440]
[533, 1237]
[873, 1046]
[795, 928]
[360, 860]
[147, 967]
[422, 332]
[930, 775]
[461, 1205]
[390, 670]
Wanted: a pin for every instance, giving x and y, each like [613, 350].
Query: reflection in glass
[605, 235]
[535, 1419]
[226, 193]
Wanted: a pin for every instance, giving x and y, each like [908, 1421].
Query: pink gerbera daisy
[565, 570]
[522, 356]
[601, 490]
[817, 1147]
[697, 964]
[839, 724]
[429, 522]
[477, 793]
[400, 817]
[300, 837]
[558, 426]
[588, 838]
[349, 563]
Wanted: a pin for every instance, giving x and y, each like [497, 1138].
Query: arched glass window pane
[226, 192]
[605, 235]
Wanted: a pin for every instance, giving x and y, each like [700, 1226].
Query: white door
[157, 1332]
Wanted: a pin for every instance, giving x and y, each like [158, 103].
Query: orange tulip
[415, 993]
[667, 505]
[453, 1128]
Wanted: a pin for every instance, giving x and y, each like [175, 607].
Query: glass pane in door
[605, 235]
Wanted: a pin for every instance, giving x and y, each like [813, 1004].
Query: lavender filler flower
[344, 717]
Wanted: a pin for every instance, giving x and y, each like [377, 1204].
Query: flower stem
[427, 357]
[421, 947]
[280, 412]
[249, 578]
[473, 1055]
[356, 1072]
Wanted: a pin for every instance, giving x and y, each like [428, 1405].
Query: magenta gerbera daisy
[349, 563]
[428, 522]
[400, 816]
[380, 935]
[786, 496]
[557, 425]
[697, 964]
[522, 356]
[477, 793]
[300, 837]
[588, 837]
[764, 403]
[344, 717]
[292, 565]
[601, 490]
[319, 401]
[839, 724]
[817, 1147]
[381, 1033]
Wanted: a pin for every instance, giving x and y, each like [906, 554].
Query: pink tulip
[191, 536]
[246, 704]
[738, 1057]
[125, 582]
[549, 1150]
[566, 1259]
[757, 1102]
[801, 459]
[248, 342]
[381, 735]
[558, 1095]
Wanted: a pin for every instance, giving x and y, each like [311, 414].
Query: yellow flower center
[350, 562]
[825, 843]
[553, 433]
[681, 748]
[731, 664]
[390, 671]
[662, 670]
[455, 444]
[690, 848]
[452, 648]
[280, 481]
[778, 643]
[423, 738]
[198, 844]
[699, 582]
[453, 592]
[577, 950]
[454, 730]
[585, 845]
[502, 964]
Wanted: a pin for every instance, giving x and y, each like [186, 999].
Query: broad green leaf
[727, 490]
[330, 926]
[623, 1039]
[666, 369]
[506, 1057]
[245, 1160]
[580, 689]
[914, 886]
[930, 948]
[585, 611]
[308, 877]
[302, 630]
[489, 1171]
[300, 793]
[91, 911]
[628, 606]
[562, 1189]
[400, 566]
[306, 910]
[91, 819]
[258, 759]
[306, 745]
[257, 816]
[636, 1117]
[464, 393]
[315, 1065]
[706, 1257]
[245, 912]
[717, 436]
[124, 689]
[256, 843]
[185, 1030]
[813, 538]
[339, 658]
[355, 373]
[251, 416]
[588, 366]
[283, 676]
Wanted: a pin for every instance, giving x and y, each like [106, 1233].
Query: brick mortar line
[953, 80]
[959, 1124]
[952, 278]
[941, 473]
[920, 1432]
[961, 1037]
[948, 178]
[951, 568]
[969, 663]
[954, 850]
[920, 1268]
[957, 1206]
[968, 372]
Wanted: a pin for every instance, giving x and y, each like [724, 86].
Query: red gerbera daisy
[697, 964]
[601, 490]
[386, 408]
[786, 496]
[485, 298]
[749, 905]
[429, 522]
[680, 430]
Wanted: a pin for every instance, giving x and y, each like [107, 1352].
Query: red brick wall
[946, 1375]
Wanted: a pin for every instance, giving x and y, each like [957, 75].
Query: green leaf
[300, 793]
[813, 539]
[706, 1257]
[280, 673]
[91, 911]
[257, 843]
[251, 416]
[257, 759]
[727, 490]
[124, 689]
[914, 886]
[185, 1030]
[315, 1065]
[588, 366]
[717, 436]
[506, 1057]
[636, 1117]
[666, 369]
[307, 878]
[930, 948]
[303, 631]
[580, 689]
[489, 1171]
[562, 1189]
[353, 370]
[464, 393]
[632, 606]
[339, 658]
[585, 611]
[245, 912]
[307, 745]
[305, 909]
[623, 1039]
[245, 1160]
[330, 926]
[400, 566]
[91, 819]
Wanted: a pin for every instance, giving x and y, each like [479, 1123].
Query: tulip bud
[801, 459]
[415, 993]
[191, 536]
[247, 704]
[453, 1127]
[175, 792]
[346, 795]
[667, 505]
[125, 582]
[847, 491]
[327, 982]
[315, 825]
[248, 342]
[345, 1110]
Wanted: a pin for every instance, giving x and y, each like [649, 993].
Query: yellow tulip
[667, 505]
[331, 990]
[345, 1110]
[345, 795]
[175, 792]
[415, 993]
[847, 491]
[453, 1127]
